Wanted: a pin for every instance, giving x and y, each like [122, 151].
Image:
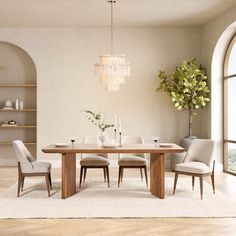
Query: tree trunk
[190, 121]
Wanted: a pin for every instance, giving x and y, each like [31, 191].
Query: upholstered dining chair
[29, 167]
[198, 163]
[93, 161]
[132, 160]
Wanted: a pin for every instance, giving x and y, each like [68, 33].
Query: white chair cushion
[94, 161]
[193, 167]
[132, 161]
[39, 167]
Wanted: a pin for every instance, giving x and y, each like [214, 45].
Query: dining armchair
[198, 163]
[94, 160]
[132, 160]
[29, 167]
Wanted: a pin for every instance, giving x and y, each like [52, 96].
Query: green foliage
[96, 119]
[232, 160]
[187, 86]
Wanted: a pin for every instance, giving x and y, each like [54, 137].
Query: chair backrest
[201, 150]
[92, 140]
[23, 156]
[132, 140]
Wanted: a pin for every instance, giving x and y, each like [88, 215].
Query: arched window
[230, 108]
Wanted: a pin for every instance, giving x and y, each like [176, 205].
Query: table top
[126, 148]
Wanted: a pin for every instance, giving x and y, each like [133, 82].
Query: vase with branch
[98, 120]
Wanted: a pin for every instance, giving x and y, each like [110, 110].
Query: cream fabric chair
[132, 160]
[28, 166]
[198, 163]
[94, 160]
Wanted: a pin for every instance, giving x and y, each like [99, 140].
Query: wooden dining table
[157, 158]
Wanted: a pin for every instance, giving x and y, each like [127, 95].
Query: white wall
[215, 38]
[64, 59]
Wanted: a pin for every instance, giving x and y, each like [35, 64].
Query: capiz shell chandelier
[112, 69]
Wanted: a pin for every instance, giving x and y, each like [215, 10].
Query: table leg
[68, 182]
[157, 175]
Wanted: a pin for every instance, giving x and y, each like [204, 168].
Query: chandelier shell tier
[112, 71]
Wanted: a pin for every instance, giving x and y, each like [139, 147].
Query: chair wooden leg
[145, 172]
[213, 181]
[175, 183]
[85, 172]
[104, 173]
[141, 173]
[50, 180]
[193, 180]
[119, 176]
[19, 184]
[108, 178]
[22, 182]
[81, 175]
[201, 186]
[122, 172]
[47, 183]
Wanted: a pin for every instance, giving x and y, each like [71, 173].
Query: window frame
[226, 77]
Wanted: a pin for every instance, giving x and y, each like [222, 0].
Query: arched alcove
[17, 82]
[217, 74]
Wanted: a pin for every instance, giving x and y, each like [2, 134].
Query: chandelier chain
[111, 26]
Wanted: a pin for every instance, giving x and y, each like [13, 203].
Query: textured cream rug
[132, 199]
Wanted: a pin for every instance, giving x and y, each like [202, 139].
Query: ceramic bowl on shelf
[11, 122]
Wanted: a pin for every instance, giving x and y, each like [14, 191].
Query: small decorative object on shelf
[8, 105]
[17, 104]
[10, 123]
[21, 105]
[98, 120]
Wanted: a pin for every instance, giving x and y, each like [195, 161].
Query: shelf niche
[18, 80]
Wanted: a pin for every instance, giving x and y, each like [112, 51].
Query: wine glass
[72, 140]
[155, 139]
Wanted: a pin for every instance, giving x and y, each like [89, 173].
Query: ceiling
[96, 12]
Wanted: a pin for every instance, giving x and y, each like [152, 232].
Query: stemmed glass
[72, 141]
[155, 139]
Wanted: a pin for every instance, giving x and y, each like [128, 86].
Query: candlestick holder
[120, 145]
[115, 135]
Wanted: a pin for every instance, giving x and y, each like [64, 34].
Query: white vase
[101, 138]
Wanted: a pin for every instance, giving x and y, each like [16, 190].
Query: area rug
[131, 200]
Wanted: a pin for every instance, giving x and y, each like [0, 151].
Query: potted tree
[187, 86]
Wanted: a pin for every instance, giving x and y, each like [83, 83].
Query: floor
[91, 227]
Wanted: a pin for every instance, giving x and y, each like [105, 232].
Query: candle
[115, 122]
[120, 124]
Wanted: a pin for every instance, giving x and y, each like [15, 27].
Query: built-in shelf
[10, 143]
[18, 82]
[18, 126]
[19, 110]
[18, 85]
